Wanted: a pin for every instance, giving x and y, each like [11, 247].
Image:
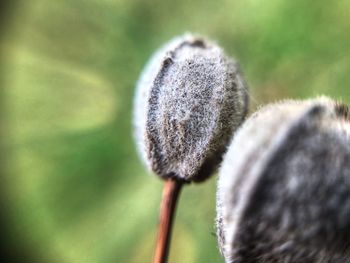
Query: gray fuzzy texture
[284, 186]
[189, 100]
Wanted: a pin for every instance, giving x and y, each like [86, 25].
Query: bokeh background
[72, 187]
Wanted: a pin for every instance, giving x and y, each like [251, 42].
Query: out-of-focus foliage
[73, 188]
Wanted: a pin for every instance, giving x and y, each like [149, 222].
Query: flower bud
[284, 186]
[189, 100]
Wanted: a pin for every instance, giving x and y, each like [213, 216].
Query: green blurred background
[73, 189]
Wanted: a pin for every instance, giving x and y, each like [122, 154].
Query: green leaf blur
[74, 187]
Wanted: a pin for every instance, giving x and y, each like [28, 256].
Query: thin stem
[170, 195]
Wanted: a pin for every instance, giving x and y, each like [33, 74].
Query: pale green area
[75, 188]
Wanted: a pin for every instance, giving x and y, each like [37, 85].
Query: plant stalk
[170, 196]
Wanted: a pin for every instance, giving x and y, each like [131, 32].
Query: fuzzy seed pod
[189, 100]
[284, 186]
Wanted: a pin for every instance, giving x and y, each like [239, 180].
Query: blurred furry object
[284, 187]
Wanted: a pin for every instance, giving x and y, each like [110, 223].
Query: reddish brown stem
[170, 195]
